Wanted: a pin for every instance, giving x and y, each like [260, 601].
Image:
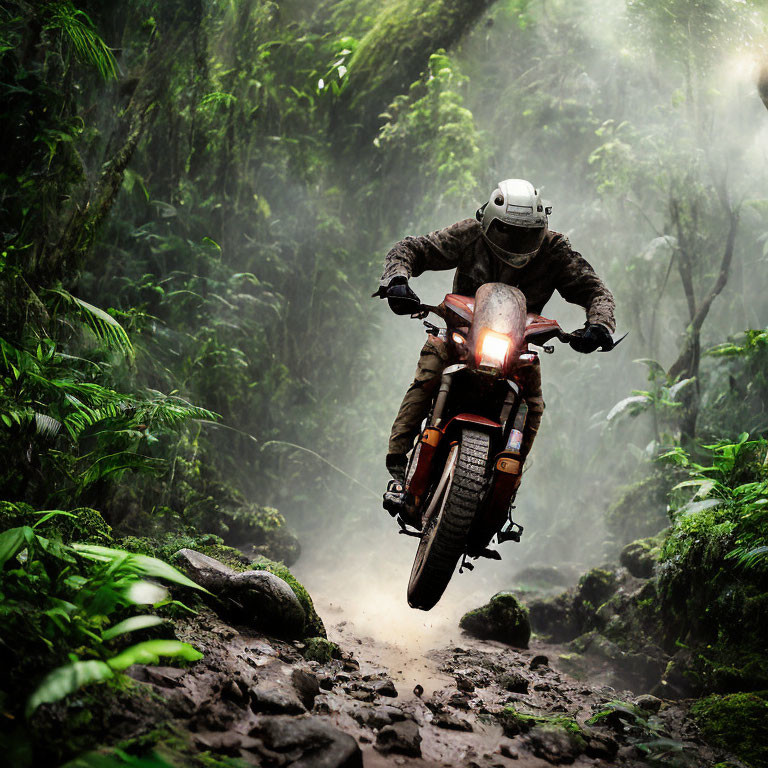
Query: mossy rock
[515, 722]
[504, 618]
[640, 557]
[321, 649]
[556, 742]
[555, 617]
[314, 626]
[596, 586]
[211, 545]
[81, 524]
[737, 722]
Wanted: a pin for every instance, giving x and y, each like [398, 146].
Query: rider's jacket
[556, 267]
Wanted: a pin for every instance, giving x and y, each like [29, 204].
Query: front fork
[507, 467]
[418, 480]
[507, 473]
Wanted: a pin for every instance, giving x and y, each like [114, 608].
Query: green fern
[101, 323]
[89, 47]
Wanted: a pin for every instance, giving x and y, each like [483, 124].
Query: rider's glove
[402, 300]
[593, 336]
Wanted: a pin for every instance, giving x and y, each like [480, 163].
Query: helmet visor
[515, 240]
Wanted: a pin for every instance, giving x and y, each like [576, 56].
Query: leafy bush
[713, 576]
[64, 606]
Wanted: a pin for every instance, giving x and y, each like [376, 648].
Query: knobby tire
[445, 533]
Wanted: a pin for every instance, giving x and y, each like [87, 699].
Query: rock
[649, 703]
[601, 746]
[378, 717]
[306, 686]
[283, 689]
[385, 688]
[307, 742]
[321, 650]
[514, 682]
[596, 586]
[504, 618]
[538, 661]
[459, 700]
[554, 744]
[255, 598]
[640, 557]
[555, 617]
[235, 691]
[271, 698]
[361, 694]
[403, 738]
[463, 683]
[451, 722]
[507, 749]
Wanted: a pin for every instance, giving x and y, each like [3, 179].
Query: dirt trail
[407, 689]
[465, 685]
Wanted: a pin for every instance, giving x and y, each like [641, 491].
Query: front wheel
[453, 507]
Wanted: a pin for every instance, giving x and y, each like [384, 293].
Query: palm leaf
[101, 323]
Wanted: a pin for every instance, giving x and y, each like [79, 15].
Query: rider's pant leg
[535, 402]
[416, 403]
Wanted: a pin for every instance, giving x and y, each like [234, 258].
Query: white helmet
[514, 221]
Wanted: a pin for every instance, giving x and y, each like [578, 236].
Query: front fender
[470, 419]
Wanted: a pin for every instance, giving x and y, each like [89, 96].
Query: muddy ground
[390, 703]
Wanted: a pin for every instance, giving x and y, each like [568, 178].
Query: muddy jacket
[556, 267]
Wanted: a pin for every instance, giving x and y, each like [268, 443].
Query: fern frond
[101, 323]
[89, 47]
[47, 425]
[115, 464]
[170, 411]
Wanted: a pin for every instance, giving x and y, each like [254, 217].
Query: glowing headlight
[493, 350]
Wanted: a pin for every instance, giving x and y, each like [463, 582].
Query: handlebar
[561, 335]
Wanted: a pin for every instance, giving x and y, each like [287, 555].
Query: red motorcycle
[465, 469]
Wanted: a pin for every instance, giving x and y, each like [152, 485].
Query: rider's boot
[395, 497]
[397, 501]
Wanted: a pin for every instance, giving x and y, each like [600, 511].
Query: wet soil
[388, 703]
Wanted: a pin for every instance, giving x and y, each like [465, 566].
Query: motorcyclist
[508, 241]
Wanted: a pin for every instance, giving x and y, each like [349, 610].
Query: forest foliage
[196, 198]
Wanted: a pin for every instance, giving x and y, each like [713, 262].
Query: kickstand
[465, 564]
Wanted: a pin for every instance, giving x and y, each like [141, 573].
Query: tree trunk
[68, 253]
[687, 364]
[392, 56]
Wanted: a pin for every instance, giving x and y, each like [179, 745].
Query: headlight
[493, 350]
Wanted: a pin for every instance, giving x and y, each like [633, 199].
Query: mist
[197, 202]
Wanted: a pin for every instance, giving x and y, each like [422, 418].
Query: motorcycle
[464, 472]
